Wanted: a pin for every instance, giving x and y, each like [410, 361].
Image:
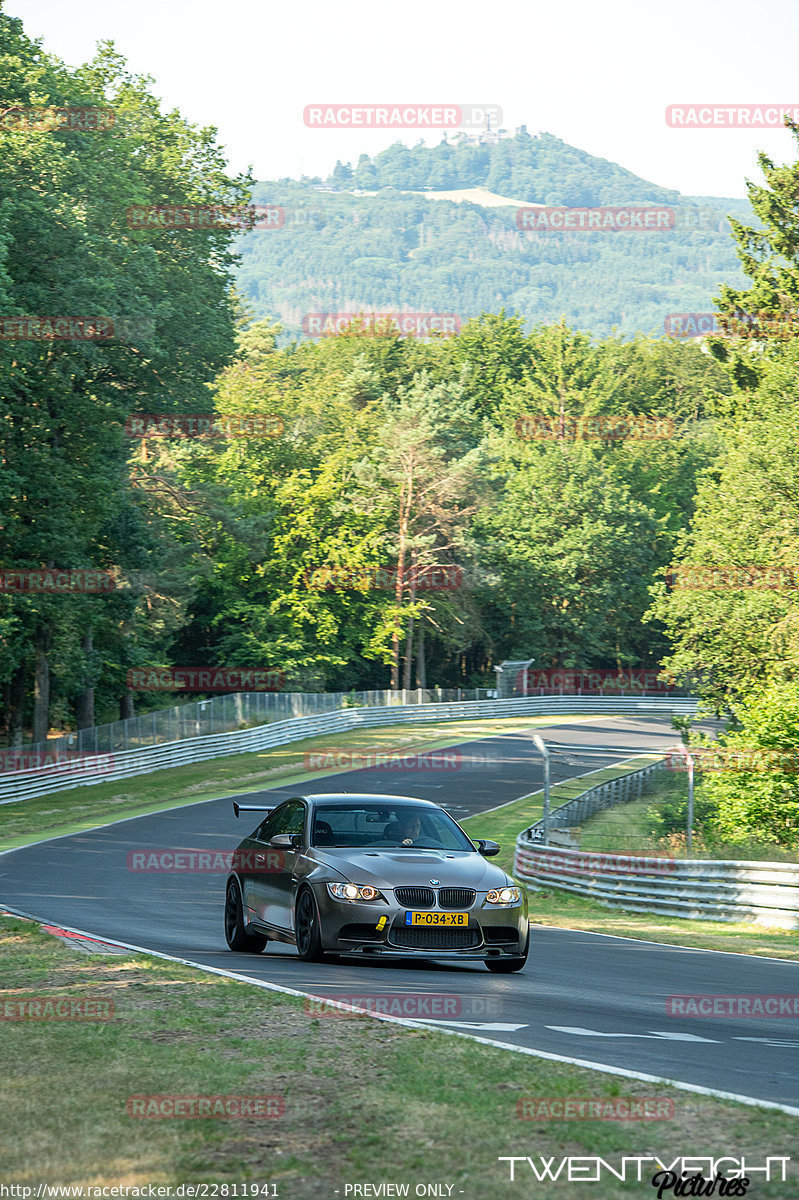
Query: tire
[306, 927]
[504, 966]
[236, 935]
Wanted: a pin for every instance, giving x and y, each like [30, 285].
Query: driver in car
[410, 827]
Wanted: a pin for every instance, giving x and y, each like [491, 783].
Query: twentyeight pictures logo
[401, 116]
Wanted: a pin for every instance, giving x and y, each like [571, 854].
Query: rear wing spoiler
[240, 808]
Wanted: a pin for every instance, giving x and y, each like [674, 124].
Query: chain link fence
[221, 714]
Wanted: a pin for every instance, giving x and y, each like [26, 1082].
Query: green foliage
[759, 805]
[66, 251]
[730, 639]
[403, 248]
[539, 169]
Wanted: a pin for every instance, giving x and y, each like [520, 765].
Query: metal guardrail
[222, 714]
[765, 893]
[595, 800]
[16, 786]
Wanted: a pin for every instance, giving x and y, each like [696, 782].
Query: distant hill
[433, 229]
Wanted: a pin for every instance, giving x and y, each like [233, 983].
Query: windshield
[380, 826]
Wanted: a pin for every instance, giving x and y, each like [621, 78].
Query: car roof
[355, 798]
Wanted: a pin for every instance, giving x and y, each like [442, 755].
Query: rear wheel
[306, 927]
[504, 966]
[235, 934]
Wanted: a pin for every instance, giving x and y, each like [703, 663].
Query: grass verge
[365, 1101]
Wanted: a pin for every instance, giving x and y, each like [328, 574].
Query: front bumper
[350, 927]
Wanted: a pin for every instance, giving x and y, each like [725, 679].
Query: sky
[598, 75]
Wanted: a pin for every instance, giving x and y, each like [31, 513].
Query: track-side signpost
[542, 747]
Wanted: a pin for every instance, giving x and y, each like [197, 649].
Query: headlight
[506, 895]
[351, 891]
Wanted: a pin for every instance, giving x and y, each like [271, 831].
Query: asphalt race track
[594, 998]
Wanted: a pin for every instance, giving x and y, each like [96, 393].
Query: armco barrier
[23, 785]
[765, 893]
[596, 799]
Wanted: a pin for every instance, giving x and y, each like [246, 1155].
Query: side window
[269, 827]
[293, 818]
[289, 818]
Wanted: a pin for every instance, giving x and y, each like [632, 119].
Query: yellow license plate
[436, 918]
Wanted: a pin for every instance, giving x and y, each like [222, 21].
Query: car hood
[398, 868]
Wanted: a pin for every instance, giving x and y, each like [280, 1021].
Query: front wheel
[504, 966]
[236, 935]
[306, 927]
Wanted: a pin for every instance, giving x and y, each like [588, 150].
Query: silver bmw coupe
[372, 875]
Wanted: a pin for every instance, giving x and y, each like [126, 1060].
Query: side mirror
[286, 841]
[487, 848]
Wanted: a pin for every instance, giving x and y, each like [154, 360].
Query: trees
[424, 471]
[760, 804]
[759, 318]
[68, 252]
[571, 553]
[736, 639]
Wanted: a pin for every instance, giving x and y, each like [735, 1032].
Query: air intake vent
[415, 897]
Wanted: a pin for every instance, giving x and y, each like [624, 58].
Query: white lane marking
[682, 1037]
[768, 1041]
[660, 945]
[602, 1068]
[487, 1026]
[578, 1031]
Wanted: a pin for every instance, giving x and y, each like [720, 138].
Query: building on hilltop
[485, 137]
